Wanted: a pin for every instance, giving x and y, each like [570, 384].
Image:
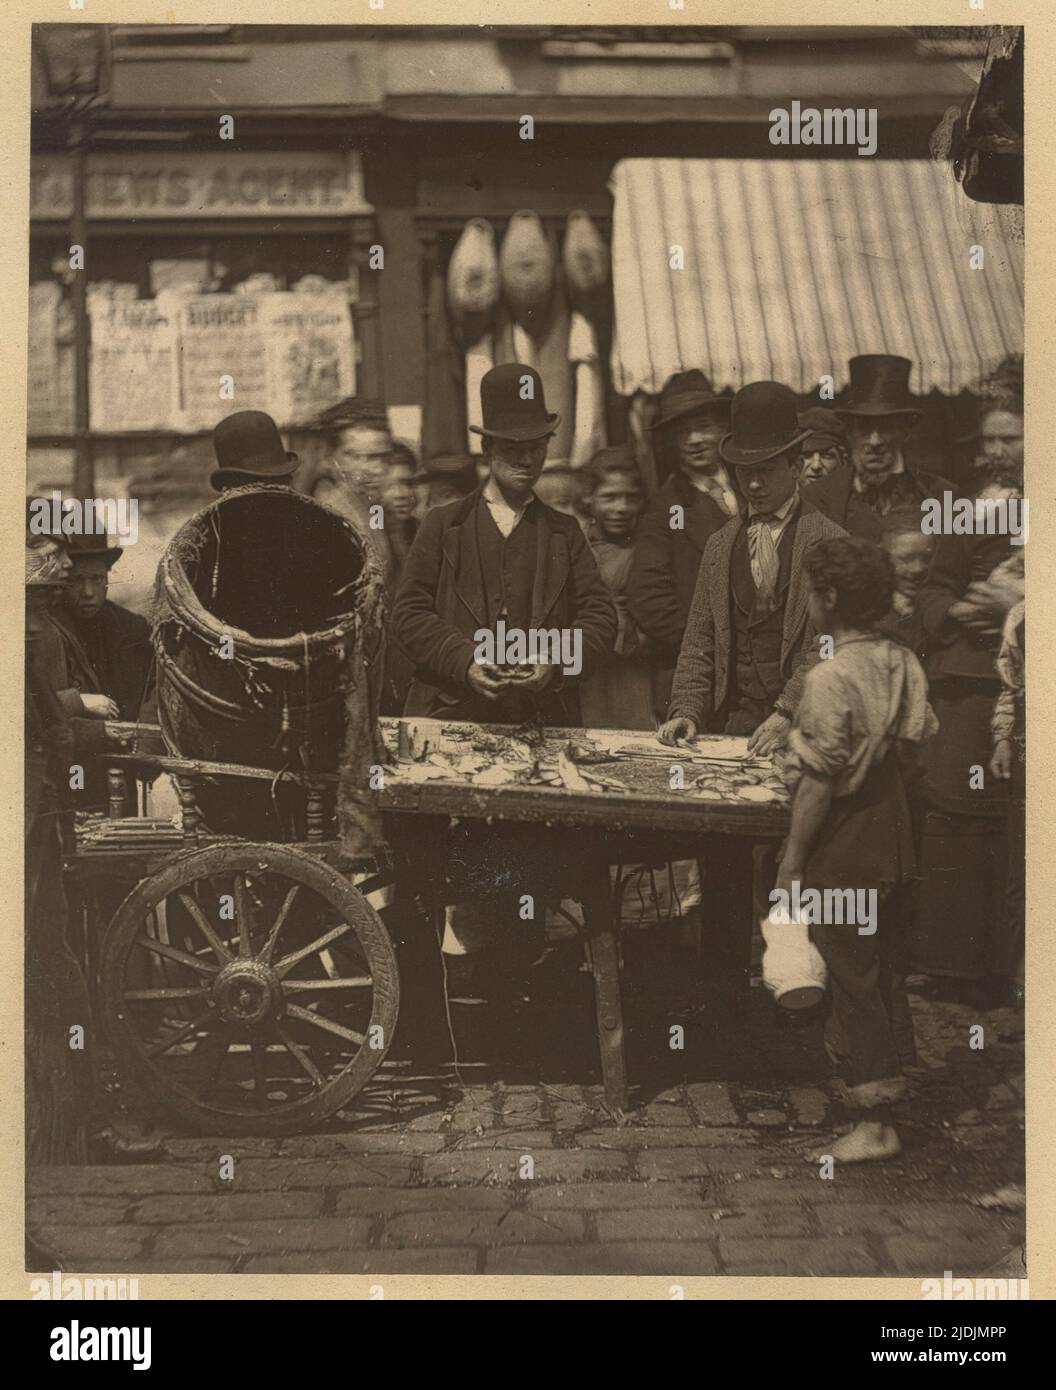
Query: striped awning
[792, 266]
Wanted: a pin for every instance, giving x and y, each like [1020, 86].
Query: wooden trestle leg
[601, 928]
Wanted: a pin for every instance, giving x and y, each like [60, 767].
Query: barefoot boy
[862, 710]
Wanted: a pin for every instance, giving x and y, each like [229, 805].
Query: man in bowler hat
[500, 554]
[878, 415]
[742, 661]
[694, 501]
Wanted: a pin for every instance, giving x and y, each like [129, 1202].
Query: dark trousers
[870, 1030]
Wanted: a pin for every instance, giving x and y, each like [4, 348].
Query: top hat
[247, 445]
[764, 424]
[84, 547]
[879, 386]
[825, 431]
[684, 394]
[506, 412]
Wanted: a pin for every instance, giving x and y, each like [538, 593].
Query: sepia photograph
[525, 737]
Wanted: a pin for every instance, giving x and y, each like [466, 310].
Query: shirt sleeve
[821, 738]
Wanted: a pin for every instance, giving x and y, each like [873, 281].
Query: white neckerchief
[504, 516]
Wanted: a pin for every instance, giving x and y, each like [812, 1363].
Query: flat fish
[526, 269]
[585, 257]
[473, 272]
[498, 775]
[756, 794]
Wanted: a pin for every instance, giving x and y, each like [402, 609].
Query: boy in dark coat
[695, 500]
[107, 647]
[500, 554]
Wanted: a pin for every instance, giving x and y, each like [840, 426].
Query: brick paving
[708, 1176]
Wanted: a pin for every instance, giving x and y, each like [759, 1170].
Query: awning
[791, 266]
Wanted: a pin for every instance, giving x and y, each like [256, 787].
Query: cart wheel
[250, 988]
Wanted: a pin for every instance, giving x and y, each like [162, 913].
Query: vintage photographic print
[525, 744]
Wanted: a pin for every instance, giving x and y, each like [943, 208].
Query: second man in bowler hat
[748, 637]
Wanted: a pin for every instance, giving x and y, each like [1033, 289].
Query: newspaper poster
[132, 384]
[310, 354]
[222, 359]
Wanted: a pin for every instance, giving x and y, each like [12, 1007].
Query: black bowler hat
[84, 547]
[686, 393]
[764, 424]
[879, 386]
[506, 412]
[248, 445]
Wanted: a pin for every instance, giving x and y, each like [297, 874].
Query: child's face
[614, 504]
[397, 492]
[910, 556]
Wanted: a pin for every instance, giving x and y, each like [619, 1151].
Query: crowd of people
[777, 585]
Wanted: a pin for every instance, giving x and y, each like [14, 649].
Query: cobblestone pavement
[709, 1176]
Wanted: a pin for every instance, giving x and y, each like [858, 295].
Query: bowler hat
[825, 430]
[684, 394]
[513, 405]
[879, 385]
[247, 445]
[89, 545]
[764, 424]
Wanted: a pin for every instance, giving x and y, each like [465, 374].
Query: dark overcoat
[441, 603]
[836, 498]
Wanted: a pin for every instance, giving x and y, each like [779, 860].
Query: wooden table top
[449, 768]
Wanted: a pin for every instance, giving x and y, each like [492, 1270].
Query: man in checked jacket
[749, 639]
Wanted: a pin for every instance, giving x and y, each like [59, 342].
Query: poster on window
[311, 361]
[132, 379]
[45, 395]
[223, 359]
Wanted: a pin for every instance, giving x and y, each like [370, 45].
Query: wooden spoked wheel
[250, 988]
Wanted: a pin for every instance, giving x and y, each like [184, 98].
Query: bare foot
[868, 1142]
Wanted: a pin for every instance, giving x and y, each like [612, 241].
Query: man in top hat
[107, 646]
[741, 666]
[250, 453]
[694, 501]
[500, 554]
[878, 414]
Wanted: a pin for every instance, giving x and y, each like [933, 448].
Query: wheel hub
[246, 992]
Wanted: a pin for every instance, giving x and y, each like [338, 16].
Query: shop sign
[141, 186]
